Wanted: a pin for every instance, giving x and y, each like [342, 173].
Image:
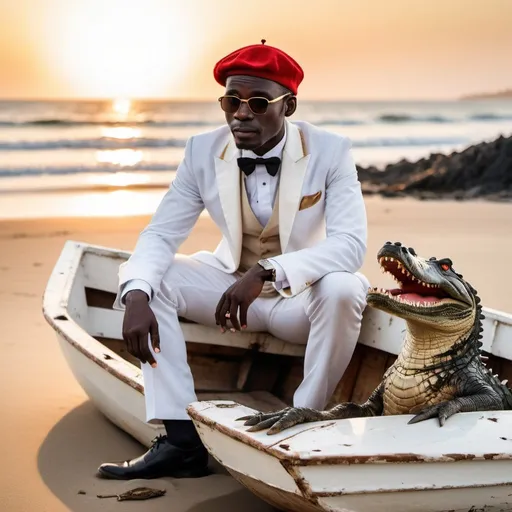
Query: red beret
[261, 61]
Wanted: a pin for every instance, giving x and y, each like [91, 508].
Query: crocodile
[440, 370]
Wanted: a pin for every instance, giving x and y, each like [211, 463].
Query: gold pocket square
[309, 201]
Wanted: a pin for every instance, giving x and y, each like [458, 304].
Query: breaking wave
[391, 118]
[81, 169]
[95, 143]
[106, 143]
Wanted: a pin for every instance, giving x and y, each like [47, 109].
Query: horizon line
[207, 100]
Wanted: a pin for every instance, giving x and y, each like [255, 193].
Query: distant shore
[500, 95]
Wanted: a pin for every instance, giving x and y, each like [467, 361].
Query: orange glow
[349, 49]
[120, 179]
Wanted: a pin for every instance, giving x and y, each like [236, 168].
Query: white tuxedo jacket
[322, 217]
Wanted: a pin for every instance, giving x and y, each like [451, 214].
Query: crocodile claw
[275, 421]
[441, 411]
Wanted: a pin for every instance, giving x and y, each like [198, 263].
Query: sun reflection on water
[120, 132]
[120, 157]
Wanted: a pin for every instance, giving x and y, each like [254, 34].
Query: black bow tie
[247, 165]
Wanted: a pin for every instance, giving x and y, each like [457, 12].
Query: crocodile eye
[445, 264]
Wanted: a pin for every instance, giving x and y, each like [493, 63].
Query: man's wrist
[136, 295]
[269, 271]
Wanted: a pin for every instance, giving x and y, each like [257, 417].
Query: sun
[121, 48]
[122, 106]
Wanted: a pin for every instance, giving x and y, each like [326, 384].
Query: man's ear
[291, 106]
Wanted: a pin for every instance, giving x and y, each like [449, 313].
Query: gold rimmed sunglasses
[258, 105]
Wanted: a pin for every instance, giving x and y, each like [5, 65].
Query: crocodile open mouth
[412, 290]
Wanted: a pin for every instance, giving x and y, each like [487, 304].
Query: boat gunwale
[55, 310]
[297, 459]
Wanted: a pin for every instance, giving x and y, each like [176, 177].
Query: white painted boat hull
[367, 464]
[119, 402]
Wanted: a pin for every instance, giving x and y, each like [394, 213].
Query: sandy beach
[52, 438]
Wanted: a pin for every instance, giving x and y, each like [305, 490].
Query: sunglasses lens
[230, 104]
[258, 105]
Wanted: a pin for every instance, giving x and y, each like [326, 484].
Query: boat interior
[253, 369]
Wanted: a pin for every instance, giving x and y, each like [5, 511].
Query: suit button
[264, 240]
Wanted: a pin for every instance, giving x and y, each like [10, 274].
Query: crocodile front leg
[291, 416]
[485, 401]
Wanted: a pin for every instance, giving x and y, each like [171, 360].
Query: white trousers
[326, 316]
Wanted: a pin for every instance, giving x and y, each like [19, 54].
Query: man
[288, 203]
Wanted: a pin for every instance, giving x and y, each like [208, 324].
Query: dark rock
[480, 171]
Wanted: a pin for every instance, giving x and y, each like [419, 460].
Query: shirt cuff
[281, 281]
[137, 284]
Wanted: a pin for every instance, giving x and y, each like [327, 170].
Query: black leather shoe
[162, 459]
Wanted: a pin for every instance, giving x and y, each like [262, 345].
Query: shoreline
[135, 201]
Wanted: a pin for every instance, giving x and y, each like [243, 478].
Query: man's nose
[243, 112]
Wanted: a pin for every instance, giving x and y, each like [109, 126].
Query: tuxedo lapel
[293, 169]
[228, 184]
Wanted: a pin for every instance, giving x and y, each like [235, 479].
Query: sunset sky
[349, 49]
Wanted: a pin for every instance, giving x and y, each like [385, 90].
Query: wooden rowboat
[358, 465]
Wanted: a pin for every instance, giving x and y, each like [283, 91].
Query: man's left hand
[240, 295]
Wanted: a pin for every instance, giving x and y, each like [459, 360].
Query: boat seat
[257, 341]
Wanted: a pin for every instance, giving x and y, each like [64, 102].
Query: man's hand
[240, 295]
[139, 321]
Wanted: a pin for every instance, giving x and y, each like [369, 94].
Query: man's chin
[247, 141]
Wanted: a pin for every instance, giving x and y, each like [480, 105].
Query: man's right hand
[139, 322]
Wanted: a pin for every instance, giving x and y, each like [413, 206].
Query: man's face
[252, 131]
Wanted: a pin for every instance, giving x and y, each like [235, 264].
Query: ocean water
[89, 146]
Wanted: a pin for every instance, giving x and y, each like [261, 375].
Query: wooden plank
[244, 371]
[266, 370]
[345, 387]
[213, 374]
[107, 323]
[101, 271]
[263, 342]
[104, 323]
[217, 371]
[259, 400]
[373, 366]
[205, 349]
[119, 347]
[99, 298]
[290, 377]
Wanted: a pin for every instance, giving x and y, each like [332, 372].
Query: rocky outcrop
[483, 170]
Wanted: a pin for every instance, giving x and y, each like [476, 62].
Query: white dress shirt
[262, 192]
[261, 186]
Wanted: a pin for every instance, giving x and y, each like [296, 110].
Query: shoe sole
[183, 473]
